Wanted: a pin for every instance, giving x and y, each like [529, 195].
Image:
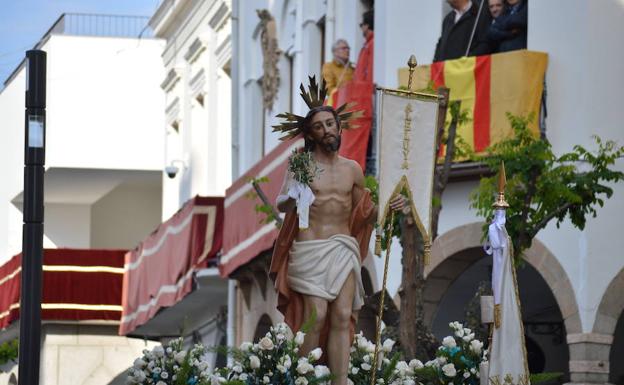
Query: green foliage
[373, 185]
[262, 208]
[8, 351]
[370, 182]
[303, 167]
[542, 186]
[539, 378]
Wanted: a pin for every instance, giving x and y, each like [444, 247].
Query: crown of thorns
[292, 124]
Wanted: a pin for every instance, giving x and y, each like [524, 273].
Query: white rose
[449, 370]
[179, 357]
[476, 346]
[161, 383]
[402, 367]
[254, 362]
[246, 346]
[299, 338]
[433, 363]
[362, 343]
[415, 364]
[266, 344]
[387, 345]
[287, 362]
[159, 351]
[449, 342]
[164, 375]
[467, 331]
[243, 377]
[468, 337]
[139, 376]
[355, 370]
[321, 371]
[237, 369]
[301, 381]
[459, 333]
[441, 360]
[366, 366]
[266, 379]
[139, 363]
[370, 347]
[466, 374]
[316, 354]
[303, 366]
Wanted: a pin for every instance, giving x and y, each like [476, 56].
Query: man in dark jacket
[509, 31]
[457, 29]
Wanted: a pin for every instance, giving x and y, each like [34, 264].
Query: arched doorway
[550, 312]
[610, 323]
[263, 327]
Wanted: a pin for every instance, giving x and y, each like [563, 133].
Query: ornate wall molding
[270, 58]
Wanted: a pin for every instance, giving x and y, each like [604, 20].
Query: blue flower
[452, 351]
[192, 380]
[467, 362]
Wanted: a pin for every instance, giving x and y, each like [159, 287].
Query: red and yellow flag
[488, 86]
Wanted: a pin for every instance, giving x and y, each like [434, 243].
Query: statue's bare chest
[336, 180]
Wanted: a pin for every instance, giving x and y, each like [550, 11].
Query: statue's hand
[400, 203]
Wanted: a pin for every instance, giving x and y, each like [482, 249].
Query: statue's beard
[331, 146]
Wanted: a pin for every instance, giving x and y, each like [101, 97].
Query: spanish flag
[488, 87]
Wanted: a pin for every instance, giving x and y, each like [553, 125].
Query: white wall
[125, 216]
[104, 111]
[203, 141]
[584, 81]
[67, 225]
[12, 158]
[104, 104]
[403, 28]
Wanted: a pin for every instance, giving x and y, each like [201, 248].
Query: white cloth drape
[320, 267]
[507, 353]
[304, 197]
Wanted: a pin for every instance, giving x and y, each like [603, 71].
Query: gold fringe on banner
[427, 253]
[378, 243]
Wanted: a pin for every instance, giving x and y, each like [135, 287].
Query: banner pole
[381, 299]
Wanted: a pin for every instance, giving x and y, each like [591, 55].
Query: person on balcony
[340, 70]
[496, 8]
[508, 32]
[364, 65]
[457, 38]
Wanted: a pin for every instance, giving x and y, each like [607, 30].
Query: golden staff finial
[411, 63]
[502, 181]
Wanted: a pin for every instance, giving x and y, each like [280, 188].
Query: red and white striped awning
[245, 234]
[158, 273]
[78, 285]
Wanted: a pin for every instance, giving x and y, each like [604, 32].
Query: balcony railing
[84, 24]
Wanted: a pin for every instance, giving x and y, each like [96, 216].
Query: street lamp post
[32, 232]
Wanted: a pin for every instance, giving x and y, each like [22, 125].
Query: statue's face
[324, 131]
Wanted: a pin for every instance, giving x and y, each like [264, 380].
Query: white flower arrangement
[172, 365]
[457, 360]
[275, 360]
[389, 369]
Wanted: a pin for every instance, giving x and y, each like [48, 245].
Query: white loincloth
[321, 267]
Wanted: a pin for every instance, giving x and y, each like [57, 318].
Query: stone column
[589, 358]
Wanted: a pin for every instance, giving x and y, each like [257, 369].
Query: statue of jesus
[318, 269]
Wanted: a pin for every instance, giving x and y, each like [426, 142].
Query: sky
[23, 22]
